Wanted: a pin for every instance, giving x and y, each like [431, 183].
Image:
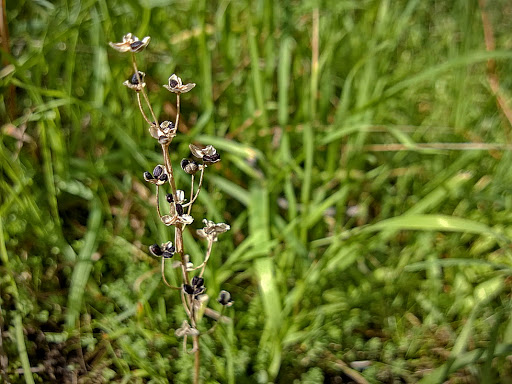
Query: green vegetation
[366, 176]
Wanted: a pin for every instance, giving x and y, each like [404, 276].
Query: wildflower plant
[177, 214]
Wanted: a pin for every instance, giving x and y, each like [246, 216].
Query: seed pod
[163, 177]
[167, 254]
[169, 247]
[148, 176]
[158, 171]
[211, 158]
[188, 289]
[169, 198]
[173, 83]
[197, 281]
[155, 250]
[137, 46]
[189, 166]
[135, 78]
[179, 209]
[225, 298]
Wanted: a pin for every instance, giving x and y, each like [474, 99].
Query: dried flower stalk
[192, 289]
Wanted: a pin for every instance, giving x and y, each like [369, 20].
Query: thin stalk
[164, 279]
[142, 109]
[143, 91]
[207, 257]
[197, 359]
[191, 195]
[185, 305]
[189, 204]
[158, 202]
[177, 111]
[216, 323]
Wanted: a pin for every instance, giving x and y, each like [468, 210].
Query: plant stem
[164, 279]
[197, 359]
[177, 111]
[189, 204]
[142, 109]
[158, 202]
[143, 91]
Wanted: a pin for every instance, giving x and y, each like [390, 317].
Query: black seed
[158, 171]
[148, 176]
[188, 289]
[199, 290]
[135, 46]
[167, 254]
[197, 281]
[135, 78]
[211, 158]
[173, 83]
[169, 198]
[163, 177]
[170, 248]
[155, 250]
[179, 209]
[184, 163]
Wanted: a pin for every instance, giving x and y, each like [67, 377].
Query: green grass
[343, 249]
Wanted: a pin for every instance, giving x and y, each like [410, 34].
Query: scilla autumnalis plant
[177, 214]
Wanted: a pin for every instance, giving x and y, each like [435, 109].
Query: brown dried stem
[164, 279]
[142, 90]
[142, 109]
[192, 199]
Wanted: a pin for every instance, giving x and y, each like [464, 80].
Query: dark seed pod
[136, 45]
[199, 290]
[170, 248]
[169, 198]
[155, 250]
[148, 176]
[211, 158]
[189, 166]
[173, 83]
[197, 281]
[158, 171]
[179, 209]
[163, 177]
[167, 255]
[188, 289]
[225, 298]
[135, 79]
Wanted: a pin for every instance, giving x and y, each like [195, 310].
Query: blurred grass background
[365, 173]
